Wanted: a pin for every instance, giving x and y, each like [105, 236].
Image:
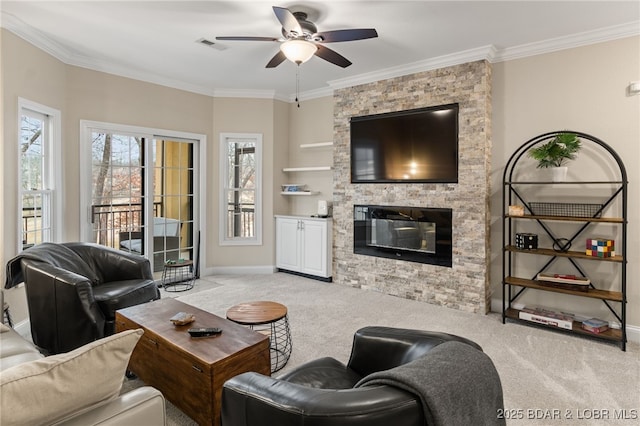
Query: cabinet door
[288, 244]
[314, 248]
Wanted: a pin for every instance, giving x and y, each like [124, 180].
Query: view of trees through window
[241, 188]
[117, 190]
[34, 179]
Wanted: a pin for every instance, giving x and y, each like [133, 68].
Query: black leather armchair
[74, 289]
[327, 392]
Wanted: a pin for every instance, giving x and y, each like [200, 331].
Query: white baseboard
[239, 270]
[633, 331]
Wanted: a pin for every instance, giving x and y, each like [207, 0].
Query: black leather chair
[74, 289]
[461, 385]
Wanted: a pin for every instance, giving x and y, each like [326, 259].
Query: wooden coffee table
[190, 371]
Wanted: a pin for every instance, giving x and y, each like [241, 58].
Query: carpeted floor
[548, 378]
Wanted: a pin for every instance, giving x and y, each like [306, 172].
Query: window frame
[52, 176]
[256, 240]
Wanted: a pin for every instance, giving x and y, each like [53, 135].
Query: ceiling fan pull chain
[298, 84]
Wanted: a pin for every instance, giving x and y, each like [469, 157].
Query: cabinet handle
[198, 369]
[153, 342]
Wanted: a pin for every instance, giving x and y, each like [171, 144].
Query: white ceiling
[156, 40]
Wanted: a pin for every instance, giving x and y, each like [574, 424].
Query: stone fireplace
[464, 284]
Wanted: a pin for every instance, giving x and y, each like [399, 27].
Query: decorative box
[526, 241]
[600, 247]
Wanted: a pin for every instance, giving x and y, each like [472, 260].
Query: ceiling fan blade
[288, 21]
[276, 60]
[248, 38]
[332, 56]
[347, 35]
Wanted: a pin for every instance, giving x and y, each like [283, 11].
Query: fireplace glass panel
[406, 233]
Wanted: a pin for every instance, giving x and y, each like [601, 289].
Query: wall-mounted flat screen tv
[412, 146]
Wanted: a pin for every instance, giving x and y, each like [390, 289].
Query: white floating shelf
[306, 169]
[300, 193]
[315, 145]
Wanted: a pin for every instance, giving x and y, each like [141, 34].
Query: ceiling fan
[302, 40]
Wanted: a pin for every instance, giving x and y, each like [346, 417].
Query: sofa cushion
[14, 349]
[56, 386]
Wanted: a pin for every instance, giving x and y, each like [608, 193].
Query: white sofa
[81, 387]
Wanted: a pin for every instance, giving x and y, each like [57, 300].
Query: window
[39, 162]
[241, 192]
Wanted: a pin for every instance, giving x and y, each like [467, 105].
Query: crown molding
[586, 38]
[33, 36]
[136, 74]
[67, 56]
[248, 93]
[489, 53]
[311, 94]
[481, 53]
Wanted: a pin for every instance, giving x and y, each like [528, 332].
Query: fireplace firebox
[414, 234]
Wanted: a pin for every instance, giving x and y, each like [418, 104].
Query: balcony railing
[240, 220]
[31, 226]
[111, 219]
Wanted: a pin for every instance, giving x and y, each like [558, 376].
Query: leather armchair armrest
[381, 348]
[254, 399]
[141, 406]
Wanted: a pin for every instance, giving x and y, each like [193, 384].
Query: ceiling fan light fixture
[298, 51]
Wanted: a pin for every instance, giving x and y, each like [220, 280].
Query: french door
[142, 194]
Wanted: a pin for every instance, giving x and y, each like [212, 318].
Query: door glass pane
[117, 191]
[173, 194]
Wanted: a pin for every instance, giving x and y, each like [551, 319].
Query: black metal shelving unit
[515, 192]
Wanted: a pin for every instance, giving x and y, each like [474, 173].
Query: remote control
[204, 332]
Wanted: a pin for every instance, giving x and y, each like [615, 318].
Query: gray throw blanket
[54, 254]
[456, 383]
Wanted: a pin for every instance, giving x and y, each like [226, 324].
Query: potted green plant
[556, 153]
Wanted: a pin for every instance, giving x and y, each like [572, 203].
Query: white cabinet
[303, 245]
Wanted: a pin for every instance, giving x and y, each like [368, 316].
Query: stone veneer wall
[465, 286]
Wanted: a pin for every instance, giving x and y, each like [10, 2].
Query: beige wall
[582, 89]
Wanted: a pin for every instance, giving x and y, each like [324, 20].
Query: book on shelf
[564, 278]
[547, 317]
[571, 282]
[595, 325]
